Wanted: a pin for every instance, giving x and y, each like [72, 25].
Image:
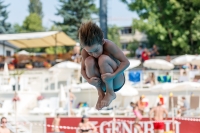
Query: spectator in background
[187, 66]
[138, 52]
[154, 51]
[3, 128]
[141, 105]
[168, 77]
[165, 78]
[185, 106]
[178, 113]
[195, 66]
[76, 57]
[15, 61]
[168, 58]
[56, 124]
[138, 116]
[150, 79]
[72, 99]
[184, 77]
[145, 55]
[130, 106]
[85, 126]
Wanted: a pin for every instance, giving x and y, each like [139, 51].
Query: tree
[171, 24]
[113, 35]
[32, 23]
[132, 46]
[5, 27]
[35, 6]
[18, 28]
[74, 12]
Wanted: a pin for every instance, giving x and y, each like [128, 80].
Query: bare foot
[109, 97]
[101, 95]
[98, 105]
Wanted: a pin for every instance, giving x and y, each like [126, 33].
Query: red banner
[122, 125]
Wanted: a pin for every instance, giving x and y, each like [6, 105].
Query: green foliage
[55, 28]
[171, 24]
[18, 28]
[35, 6]
[59, 50]
[4, 26]
[32, 23]
[74, 12]
[113, 35]
[132, 46]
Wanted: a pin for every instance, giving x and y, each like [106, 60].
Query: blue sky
[118, 12]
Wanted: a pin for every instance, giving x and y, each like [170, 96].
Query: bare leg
[93, 71]
[136, 125]
[155, 131]
[160, 131]
[107, 65]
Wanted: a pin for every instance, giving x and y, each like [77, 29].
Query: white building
[127, 35]
[7, 49]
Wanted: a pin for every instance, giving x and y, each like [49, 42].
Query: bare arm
[53, 125]
[72, 95]
[83, 71]
[79, 126]
[166, 114]
[151, 113]
[119, 55]
[94, 129]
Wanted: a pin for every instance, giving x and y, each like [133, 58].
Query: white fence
[35, 80]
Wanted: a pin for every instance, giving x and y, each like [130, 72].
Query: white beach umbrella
[165, 87]
[158, 64]
[183, 59]
[185, 86]
[196, 61]
[65, 65]
[133, 63]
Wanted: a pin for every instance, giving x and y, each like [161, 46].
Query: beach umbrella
[66, 65]
[183, 59]
[158, 64]
[133, 63]
[196, 61]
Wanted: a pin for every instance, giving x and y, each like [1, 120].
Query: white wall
[4, 48]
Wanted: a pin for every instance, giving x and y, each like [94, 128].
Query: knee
[103, 59]
[90, 61]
